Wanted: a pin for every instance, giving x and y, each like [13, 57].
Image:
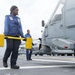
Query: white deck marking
[38, 67]
[42, 67]
[62, 61]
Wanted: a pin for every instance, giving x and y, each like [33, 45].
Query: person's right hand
[6, 37]
[24, 39]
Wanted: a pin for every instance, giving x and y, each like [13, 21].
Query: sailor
[28, 50]
[12, 27]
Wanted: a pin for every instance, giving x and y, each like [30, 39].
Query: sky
[31, 13]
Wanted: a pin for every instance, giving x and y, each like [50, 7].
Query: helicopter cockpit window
[57, 18]
[58, 14]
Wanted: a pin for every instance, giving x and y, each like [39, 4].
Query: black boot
[30, 59]
[15, 67]
[5, 64]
